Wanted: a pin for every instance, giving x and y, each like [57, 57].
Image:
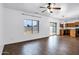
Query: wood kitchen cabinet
[70, 29]
[76, 23]
[72, 33]
[68, 32]
[70, 25]
[61, 25]
[61, 32]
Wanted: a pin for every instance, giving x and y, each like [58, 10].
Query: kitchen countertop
[70, 28]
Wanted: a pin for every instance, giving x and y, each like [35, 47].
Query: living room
[47, 30]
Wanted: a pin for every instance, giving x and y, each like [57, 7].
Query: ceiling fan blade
[57, 8]
[49, 4]
[43, 10]
[42, 7]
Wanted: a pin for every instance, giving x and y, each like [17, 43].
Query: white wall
[14, 28]
[1, 29]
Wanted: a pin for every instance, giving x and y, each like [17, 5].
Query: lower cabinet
[68, 32]
[77, 32]
[61, 32]
[72, 33]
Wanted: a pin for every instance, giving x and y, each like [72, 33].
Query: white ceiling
[69, 10]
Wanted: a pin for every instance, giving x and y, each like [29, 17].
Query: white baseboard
[1, 49]
[12, 42]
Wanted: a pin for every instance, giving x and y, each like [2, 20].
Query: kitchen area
[69, 29]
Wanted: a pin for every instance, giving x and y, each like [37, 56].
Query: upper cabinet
[61, 25]
[70, 25]
[76, 24]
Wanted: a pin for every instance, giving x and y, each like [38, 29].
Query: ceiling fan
[51, 7]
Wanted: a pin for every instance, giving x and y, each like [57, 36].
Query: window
[28, 23]
[31, 26]
[35, 26]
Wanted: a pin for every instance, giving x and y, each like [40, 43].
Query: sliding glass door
[53, 28]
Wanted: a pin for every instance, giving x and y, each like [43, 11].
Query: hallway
[54, 45]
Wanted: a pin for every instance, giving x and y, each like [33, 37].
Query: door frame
[55, 27]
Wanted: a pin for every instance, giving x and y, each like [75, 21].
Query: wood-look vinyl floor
[54, 45]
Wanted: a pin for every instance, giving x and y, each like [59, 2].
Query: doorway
[53, 28]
